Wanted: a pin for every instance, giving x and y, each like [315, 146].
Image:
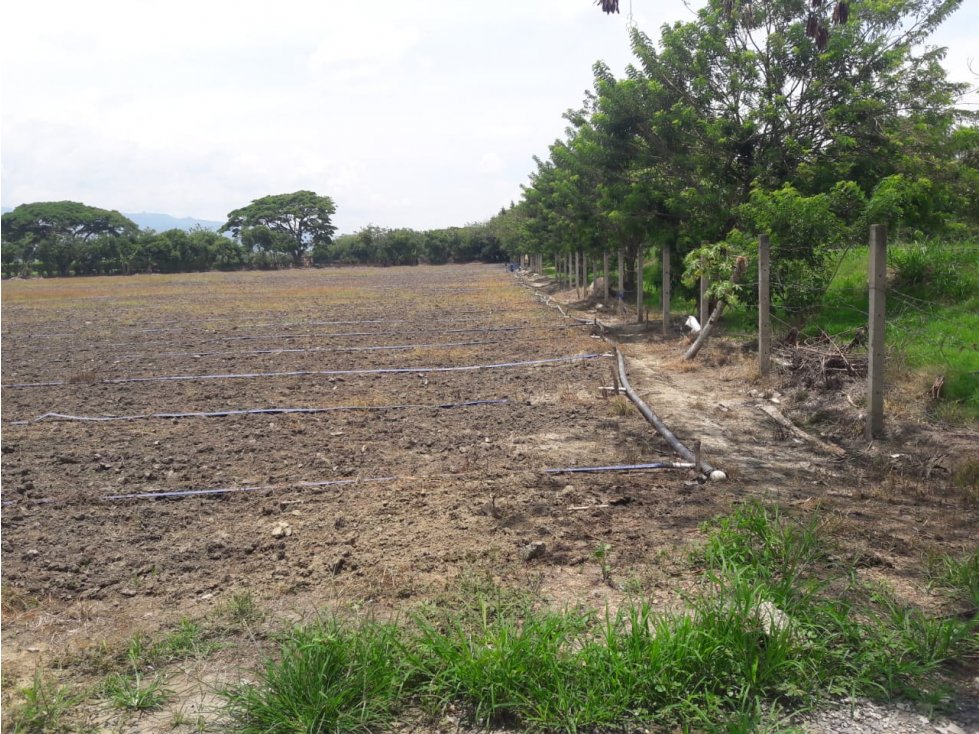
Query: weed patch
[134, 692]
[764, 635]
[327, 678]
[44, 707]
[959, 577]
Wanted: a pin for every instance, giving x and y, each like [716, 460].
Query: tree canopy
[47, 219]
[55, 231]
[742, 121]
[292, 223]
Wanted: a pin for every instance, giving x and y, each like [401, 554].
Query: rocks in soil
[772, 619]
[281, 530]
[532, 550]
[339, 563]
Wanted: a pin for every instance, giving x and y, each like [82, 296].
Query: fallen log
[792, 428]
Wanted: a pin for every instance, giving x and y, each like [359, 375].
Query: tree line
[739, 123]
[283, 230]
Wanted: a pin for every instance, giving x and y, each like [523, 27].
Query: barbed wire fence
[872, 301]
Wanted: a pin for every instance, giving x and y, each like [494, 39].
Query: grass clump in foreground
[773, 630]
[44, 709]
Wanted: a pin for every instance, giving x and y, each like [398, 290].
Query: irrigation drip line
[310, 373]
[332, 334]
[281, 324]
[251, 411]
[621, 467]
[484, 329]
[228, 490]
[182, 493]
[238, 319]
[329, 350]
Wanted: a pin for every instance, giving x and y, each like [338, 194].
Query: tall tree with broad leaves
[304, 217]
[816, 21]
[751, 101]
[54, 231]
[46, 219]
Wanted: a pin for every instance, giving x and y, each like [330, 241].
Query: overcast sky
[406, 113]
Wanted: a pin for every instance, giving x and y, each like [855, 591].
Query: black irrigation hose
[332, 334]
[182, 493]
[310, 373]
[344, 322]
[328, 350]
[228, 490]
[251, 411]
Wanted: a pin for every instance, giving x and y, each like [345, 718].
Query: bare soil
[444, 492]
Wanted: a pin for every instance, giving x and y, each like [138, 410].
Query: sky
[406, 113]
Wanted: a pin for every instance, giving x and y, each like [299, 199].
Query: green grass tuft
[134, 693]
[44, 707]
[764, 636]
[958, 576]
[327, 678]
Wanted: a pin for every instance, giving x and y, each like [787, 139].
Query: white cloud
[490, 163]
[362, 46]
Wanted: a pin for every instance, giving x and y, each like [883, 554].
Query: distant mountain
[163, 222]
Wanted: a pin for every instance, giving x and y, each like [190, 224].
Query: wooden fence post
[639, 285]
[764, 315]
[621, 274]
[875, 365]
[605, 268]
[666, 290]
[704, 300]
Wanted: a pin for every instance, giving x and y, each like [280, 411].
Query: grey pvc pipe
[660, 427]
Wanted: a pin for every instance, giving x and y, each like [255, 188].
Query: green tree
[303, 217]
[267, 245]
[55, 233]
[48, 219]
[730, 108]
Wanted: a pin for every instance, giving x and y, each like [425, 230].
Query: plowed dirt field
[368, 437]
